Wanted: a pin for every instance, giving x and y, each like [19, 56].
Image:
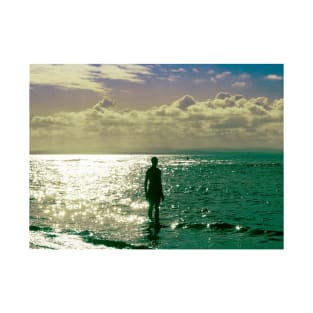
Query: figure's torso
[154, 178]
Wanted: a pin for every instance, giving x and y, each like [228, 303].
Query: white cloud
[195, 70]
[128, 72]
[273, 77]
[66, 76]
[83, 76]
[225, 121]
[222, 75]
[239, 84]
[211, 72]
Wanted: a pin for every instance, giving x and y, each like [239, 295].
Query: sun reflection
[136, 219]
[174, 225]
[99, 193]
[239, 228]
[61, 214]
[138, 205]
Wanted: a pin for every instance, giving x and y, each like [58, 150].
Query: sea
[214, 200]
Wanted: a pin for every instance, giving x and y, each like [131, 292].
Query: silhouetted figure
[154, 191]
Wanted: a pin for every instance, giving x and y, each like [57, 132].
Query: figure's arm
[162, 195]
[146, 184]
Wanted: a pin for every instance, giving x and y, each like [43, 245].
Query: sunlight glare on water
[88, 192]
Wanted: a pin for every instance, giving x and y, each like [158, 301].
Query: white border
[155, 32]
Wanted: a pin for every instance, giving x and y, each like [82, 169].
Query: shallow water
[212, 201]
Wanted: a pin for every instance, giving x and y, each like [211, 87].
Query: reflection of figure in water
[154, 192]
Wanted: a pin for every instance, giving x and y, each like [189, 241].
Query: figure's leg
[156, 212]
[156, 215]
[150, 210]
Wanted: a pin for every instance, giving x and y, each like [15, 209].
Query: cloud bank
[224, 122]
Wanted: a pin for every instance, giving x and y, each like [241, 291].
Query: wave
[89, 237]
[40, 228]
[85, 236]
[223, 226]
[113, 243]
[266, 232]
[38, 218]
[269, 164]
[45, 237]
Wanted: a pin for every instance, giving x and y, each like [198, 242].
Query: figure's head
[154, 161]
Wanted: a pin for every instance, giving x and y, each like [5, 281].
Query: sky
[155, 108]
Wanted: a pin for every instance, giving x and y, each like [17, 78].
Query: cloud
[127, 72]
[222, 75]
[171, 78]
[244, 76]
[66, 76]
[211, 72]
[195, 70]
[105, 103]
[184, 102]
[242, 82]
[84, 76]
[273, 77]
[226, 121]
[178, 70]
[222, 95]
[239, 84]
[237, 97]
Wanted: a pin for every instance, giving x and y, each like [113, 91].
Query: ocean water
[221, 200]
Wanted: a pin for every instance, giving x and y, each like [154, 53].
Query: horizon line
[200, 151]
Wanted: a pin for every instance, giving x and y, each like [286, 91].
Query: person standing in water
[154, 191]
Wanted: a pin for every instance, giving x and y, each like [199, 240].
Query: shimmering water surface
[212, 201]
